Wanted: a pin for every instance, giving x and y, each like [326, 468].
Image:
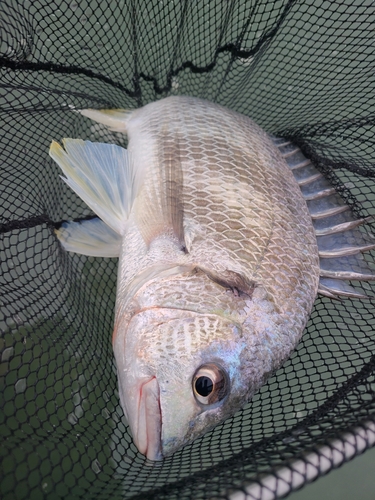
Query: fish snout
[148, 433]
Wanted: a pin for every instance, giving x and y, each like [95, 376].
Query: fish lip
[149, 422]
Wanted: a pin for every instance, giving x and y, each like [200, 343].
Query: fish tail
[89, 237]
[104, 178]
[341, 243]
[115, 119]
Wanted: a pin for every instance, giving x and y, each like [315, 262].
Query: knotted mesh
[303, 70]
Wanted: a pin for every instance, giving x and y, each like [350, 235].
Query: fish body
[235, 219]
[219, 262]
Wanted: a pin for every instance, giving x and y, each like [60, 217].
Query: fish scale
[224, 237]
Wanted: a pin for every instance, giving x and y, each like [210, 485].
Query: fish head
[180, 374]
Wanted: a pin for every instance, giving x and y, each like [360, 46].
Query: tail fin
[102, 176]
[114, 119]
[89, 237]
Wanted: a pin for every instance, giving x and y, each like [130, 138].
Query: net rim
[309, 466]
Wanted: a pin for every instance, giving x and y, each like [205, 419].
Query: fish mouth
[148, 433]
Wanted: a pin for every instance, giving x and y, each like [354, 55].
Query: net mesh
[303, 70]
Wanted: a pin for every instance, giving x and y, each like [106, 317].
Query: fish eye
[210, 384]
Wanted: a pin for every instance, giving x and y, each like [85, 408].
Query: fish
[225, 235]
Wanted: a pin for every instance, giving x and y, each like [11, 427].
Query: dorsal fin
[340, 243]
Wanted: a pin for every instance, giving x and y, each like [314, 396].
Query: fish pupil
[204, 386]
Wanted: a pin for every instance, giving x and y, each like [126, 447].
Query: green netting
[302, 70]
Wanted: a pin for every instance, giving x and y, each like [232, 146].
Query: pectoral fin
[89, 237]
[231, 280]
[102, 175]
